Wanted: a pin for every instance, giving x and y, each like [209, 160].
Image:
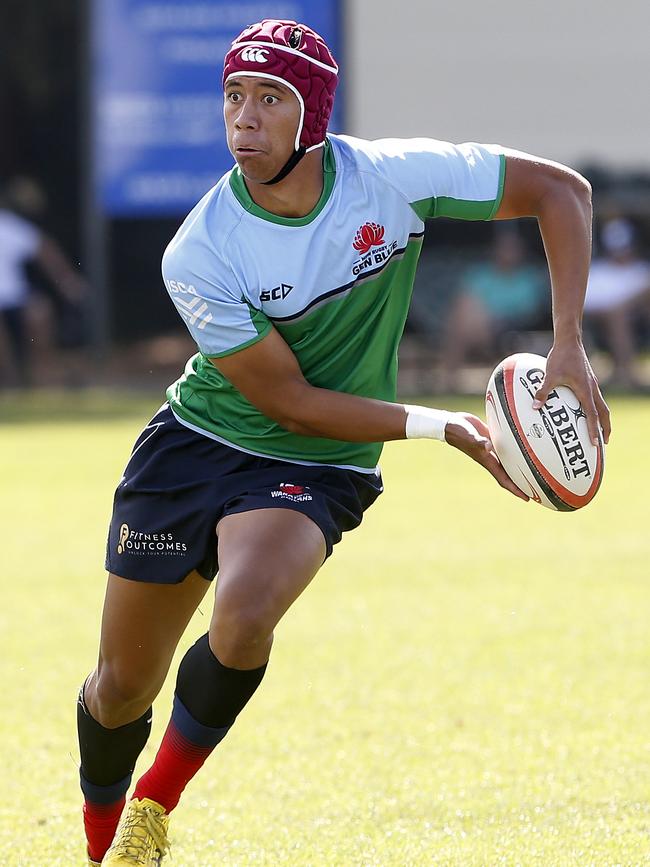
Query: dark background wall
[40, 105]
[42, 78]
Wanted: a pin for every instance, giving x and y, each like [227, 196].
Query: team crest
[370, 244]
[369, 235]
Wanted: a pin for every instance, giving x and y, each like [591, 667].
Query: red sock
[176, 762]
[100, 823]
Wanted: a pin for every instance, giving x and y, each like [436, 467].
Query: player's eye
[233, 96]
[268, 99]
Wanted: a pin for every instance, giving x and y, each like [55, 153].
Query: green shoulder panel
[262, 326]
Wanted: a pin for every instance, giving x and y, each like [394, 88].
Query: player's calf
[108, 758]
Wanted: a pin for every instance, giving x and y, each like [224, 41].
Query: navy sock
[185, 747]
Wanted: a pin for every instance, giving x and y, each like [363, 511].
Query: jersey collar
[240, 190]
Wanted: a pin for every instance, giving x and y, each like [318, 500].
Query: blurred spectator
[618, 299]
[25, 316]
[506, 293]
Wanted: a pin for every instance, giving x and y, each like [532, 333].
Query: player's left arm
[560, 199]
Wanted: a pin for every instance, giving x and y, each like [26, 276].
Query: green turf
[465, 683]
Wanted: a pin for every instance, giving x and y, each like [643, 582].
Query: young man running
[294, 275]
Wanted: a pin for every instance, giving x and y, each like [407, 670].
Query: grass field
[465, 683]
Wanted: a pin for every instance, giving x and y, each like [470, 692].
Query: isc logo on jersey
[368, 236]
[192, 311]
[278, 293]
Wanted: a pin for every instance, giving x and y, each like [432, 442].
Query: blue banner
[158, 135]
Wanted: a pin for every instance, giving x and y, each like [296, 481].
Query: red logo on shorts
[369, 235]
[295, 493]
[288, 488]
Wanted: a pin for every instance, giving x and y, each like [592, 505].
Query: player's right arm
[268, 375]
[233, 332]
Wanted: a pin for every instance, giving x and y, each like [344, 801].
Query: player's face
[261, 118]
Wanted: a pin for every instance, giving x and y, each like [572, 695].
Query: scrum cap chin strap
[290, 164]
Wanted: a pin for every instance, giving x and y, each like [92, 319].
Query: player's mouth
[247, 151]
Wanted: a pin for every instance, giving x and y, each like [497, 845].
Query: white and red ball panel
[546, 452]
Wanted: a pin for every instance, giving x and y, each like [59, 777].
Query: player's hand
[568, 365]
[470, 435]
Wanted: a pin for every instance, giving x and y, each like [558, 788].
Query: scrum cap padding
[298, 57]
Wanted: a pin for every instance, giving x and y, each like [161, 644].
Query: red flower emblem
[369, 235]
[288, 488]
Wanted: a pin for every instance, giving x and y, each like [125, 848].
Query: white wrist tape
[423, 421]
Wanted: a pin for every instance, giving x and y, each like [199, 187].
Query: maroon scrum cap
[299, 58]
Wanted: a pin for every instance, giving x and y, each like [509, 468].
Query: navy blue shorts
[178, 484]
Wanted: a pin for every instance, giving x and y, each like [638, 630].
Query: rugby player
[293, 275]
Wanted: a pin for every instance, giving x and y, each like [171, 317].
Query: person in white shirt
[22, 242]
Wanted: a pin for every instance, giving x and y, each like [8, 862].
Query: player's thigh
[267, 557]
[141, 626]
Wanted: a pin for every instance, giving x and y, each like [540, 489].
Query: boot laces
[142, 827]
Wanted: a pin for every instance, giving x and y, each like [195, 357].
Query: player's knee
[235, 651]
[239, 632]
[120, 692]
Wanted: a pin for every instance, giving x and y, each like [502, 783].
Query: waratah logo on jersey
[368, 237]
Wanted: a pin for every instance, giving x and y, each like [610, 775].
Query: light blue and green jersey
[336, 284]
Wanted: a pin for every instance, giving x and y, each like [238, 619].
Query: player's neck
[297, 194]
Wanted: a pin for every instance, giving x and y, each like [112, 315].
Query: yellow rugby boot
[141, 836]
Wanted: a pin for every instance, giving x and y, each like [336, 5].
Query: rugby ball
[546, 452]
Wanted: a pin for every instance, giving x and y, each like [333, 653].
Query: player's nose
[246, 117]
